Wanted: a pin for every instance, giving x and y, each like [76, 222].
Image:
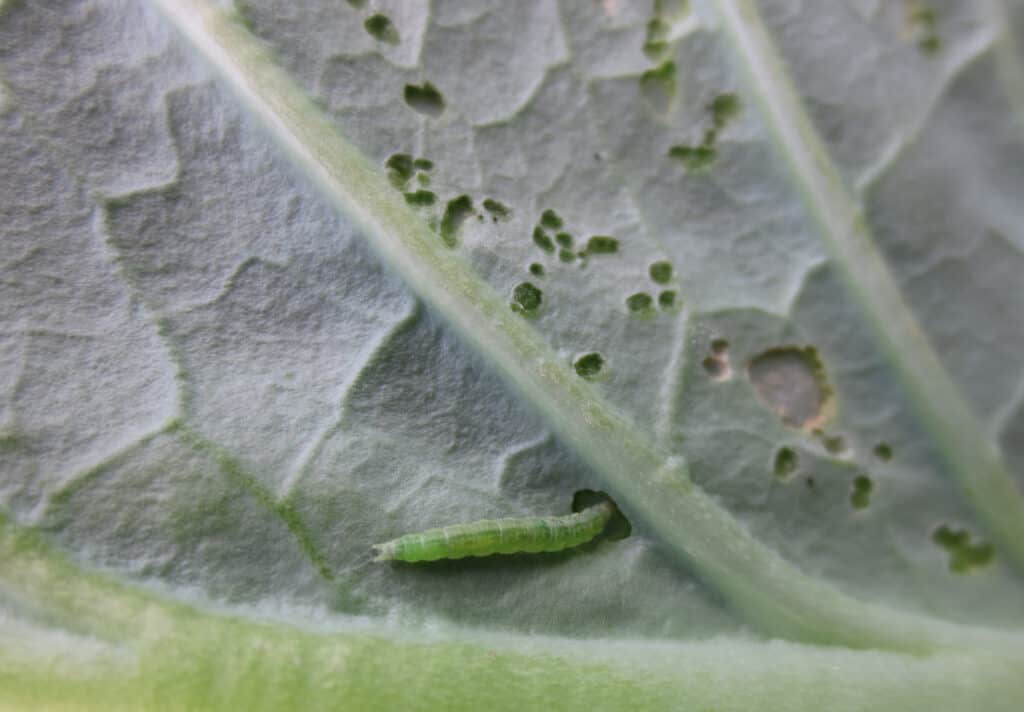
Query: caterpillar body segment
[499, 536]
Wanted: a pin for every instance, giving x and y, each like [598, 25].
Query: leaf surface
[237, 355]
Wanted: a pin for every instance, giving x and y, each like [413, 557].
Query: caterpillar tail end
[383, 552]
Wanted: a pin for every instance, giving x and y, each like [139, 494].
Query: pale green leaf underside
[285, 403]
[78, 641]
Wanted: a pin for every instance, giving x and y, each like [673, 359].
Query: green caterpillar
[499, 536]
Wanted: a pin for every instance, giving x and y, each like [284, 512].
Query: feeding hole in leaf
[655, 44]
[661, 272]
[420, 198]
[724, 108]
[380, 27]
[455, 213]
[883, 451]
[399, 167]
[786, 462]
[425, 99]
[589, 365]
[695, 158]
[551, 220]
[658, 86]
[526, 298]
[791, 381]
[655, 50]
[602, 245]
[717, 363]
[860, 492]
[964, 554]
[834, 444]
[542, 240]
[639, 303]
[498, 211]
[659, 27]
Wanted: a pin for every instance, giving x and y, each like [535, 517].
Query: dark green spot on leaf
[950, 537]
[420, 198]
[883, 451]
[526, 298]
[550, 219]
[589, 365]
[602, 245]
[639, 302]
[860, 493]
[658, 85]
[661, 272]
[498, 210]
[542, 240]
[724, 108]
[537, 269]
[655, 50]
[964, 554]
[399, 168]
[564, 239]
[667, 299]
[786, 462]
[696, 158]
[455, 213]
[380, 27]
[657, 29]
[425, 99]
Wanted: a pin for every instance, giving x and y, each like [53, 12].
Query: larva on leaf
[502, 536]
